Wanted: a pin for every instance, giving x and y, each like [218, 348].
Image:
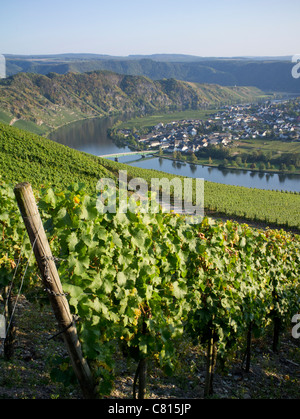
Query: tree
[194, 158]
[283, 166]
[262, 167]
[292, 168]
[238, 161]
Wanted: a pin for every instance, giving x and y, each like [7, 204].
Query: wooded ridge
[54, 100]
[266, 73]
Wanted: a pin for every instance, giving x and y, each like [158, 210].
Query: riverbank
[214, 163]
[260, 139]
[219, 165]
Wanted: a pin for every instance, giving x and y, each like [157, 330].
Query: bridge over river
[129, 153]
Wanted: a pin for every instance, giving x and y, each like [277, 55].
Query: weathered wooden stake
[51, 281]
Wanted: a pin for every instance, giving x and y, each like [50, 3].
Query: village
[269, 120]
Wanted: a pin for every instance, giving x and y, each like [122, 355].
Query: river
[91, 137]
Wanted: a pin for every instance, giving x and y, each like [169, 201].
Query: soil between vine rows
[27, 375]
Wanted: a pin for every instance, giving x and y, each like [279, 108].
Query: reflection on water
[230, 177]
[91, 136]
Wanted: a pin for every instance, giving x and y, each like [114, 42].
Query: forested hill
[266, 73]
[53, 100]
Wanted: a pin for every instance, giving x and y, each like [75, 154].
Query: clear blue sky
[123, 27]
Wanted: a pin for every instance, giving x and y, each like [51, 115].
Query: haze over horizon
[166, 55]
[117, 28]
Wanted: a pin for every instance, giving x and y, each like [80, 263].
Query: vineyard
[44, 162]
[271, 207]
[141, 283]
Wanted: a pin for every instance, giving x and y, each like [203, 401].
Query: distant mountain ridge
[53, 100]
[155, 57]
[266, 73]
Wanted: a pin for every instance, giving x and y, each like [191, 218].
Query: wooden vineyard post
[51, 281]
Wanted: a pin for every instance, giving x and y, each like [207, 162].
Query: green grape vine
[142, 281]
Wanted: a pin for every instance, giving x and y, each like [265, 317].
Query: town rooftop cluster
[269, 120]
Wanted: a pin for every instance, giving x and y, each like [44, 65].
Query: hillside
[145, 287]
[266, 73]
[40, 103]
[28, 157]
